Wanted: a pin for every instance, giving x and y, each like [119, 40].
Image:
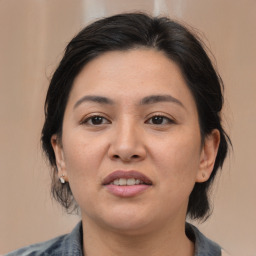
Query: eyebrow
[97, 99]
[160, 98]
[152, 99]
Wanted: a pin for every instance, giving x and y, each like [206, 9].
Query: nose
[127, 143]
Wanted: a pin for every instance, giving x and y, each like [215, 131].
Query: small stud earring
[203, 174]
[62, 179]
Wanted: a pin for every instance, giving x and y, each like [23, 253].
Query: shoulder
[70, 244]
[203, 245]
[44, 248]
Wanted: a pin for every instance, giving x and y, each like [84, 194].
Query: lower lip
[127, 191]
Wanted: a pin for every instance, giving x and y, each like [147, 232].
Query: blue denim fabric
[72, 244]
[66, 245]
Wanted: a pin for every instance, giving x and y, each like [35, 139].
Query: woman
[133, 133]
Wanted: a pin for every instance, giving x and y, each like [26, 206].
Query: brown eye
[95, 120]
[160, 120]
[157, 119]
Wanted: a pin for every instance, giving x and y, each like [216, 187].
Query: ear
[208, 156]
[59, 156]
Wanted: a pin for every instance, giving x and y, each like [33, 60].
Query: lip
[126, 191]
[126, 175]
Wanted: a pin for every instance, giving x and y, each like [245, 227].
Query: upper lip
[126, 175]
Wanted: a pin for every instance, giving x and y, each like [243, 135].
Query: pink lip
[126, 191]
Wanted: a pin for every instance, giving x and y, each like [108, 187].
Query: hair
[129, 31]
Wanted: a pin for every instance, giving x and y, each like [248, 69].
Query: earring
[62, 179]
[203, 175]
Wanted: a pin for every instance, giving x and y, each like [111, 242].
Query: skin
[127, 137]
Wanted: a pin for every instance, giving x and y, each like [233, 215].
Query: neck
[163, 241]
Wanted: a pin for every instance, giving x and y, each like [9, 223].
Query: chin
[128, 222]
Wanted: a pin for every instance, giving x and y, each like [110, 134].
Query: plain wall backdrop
[34, 34]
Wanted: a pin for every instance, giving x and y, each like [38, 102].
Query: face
[131, 147]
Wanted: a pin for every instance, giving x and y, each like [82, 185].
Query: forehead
[131, 74]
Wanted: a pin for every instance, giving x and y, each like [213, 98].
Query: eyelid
[88, 117]
[171, 120]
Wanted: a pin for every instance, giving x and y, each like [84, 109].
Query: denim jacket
[72, 244]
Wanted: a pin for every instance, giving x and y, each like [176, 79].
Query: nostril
[126, 159]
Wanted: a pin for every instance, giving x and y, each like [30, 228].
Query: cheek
[82, 157]
[178, 157]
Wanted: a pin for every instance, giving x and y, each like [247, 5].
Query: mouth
[126, 183]
[126, 178]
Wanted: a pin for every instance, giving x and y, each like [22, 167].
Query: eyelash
[162, 117]
[89, 120]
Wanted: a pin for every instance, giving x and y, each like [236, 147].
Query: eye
[159, 120]
[95, 120]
